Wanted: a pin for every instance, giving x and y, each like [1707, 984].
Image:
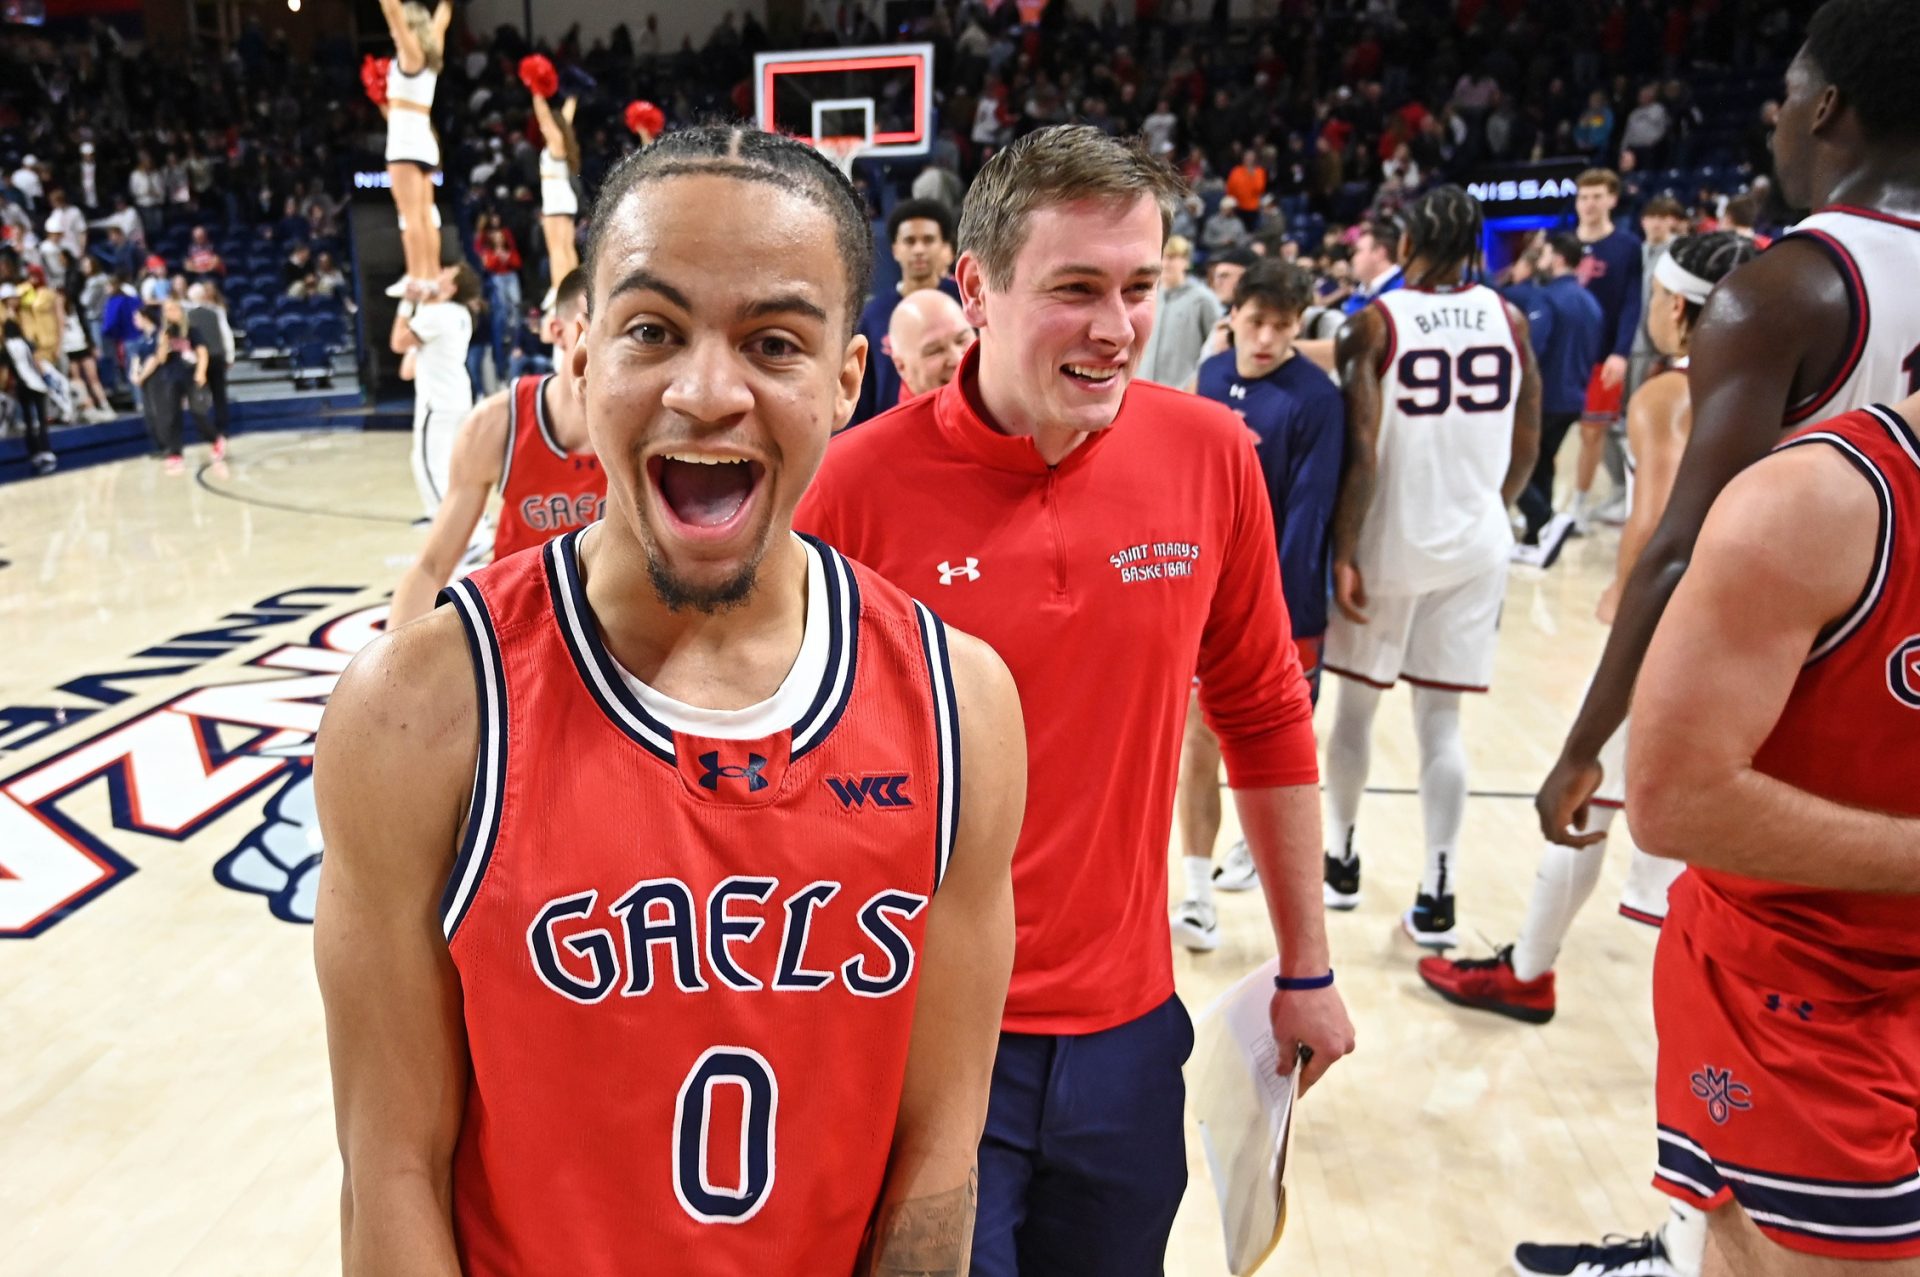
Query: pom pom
[645, 118]
[373, 78]
[537, 73]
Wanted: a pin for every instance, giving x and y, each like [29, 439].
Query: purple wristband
[1288, 984]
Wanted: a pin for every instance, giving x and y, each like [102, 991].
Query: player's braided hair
[746, 154]
[1444, 226]
[1712, 258]
[1864, 48]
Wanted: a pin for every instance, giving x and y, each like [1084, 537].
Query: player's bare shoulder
[1793, 285]
[396, 747]
[989, 703]
[483, 434]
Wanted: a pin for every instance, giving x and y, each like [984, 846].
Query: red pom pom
[373, 78]
[645, 117]
[537, 73]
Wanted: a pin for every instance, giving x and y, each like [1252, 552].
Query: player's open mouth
[1093, 376]
[705, 495]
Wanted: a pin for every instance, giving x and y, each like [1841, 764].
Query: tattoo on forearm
[926, 1236]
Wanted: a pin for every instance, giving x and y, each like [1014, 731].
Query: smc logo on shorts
[1722, 1094]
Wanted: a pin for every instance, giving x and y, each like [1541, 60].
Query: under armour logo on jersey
[715, 773]
[968, 571]
[884, 792]
[1722, 1094]
[1236, 391]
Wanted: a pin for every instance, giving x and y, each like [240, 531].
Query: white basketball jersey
[1448, 388]
[1878, 255]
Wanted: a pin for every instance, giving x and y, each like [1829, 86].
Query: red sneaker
[176, 464]
[1488, 984]
[220, 448]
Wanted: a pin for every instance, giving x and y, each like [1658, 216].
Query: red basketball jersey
[687, 963]
[544, 489]
[1850, 732]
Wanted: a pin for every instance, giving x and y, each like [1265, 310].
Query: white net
[843, 151]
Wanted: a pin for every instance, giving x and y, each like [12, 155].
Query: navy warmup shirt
[1299, 419]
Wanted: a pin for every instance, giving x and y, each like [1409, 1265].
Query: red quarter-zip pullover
[1105, 583]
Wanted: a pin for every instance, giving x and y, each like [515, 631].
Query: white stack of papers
[1244, 1105]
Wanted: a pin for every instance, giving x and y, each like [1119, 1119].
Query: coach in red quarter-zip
[1110, 539]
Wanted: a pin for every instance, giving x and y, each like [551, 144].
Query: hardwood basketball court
[164, 1102]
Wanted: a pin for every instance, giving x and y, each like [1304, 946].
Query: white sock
[1685, 1237]
[1443, 783]
[1349, 753]
[1199, 878]
[1562, 885]
[1581, 500]
[1648, 880]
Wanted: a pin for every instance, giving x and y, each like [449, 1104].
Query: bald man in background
[927, 336]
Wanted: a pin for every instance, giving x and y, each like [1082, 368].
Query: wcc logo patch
[1723, 1095]
[888, 793]
[237, 739]
[712, 773]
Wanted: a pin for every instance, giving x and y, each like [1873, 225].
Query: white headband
[1682, 282]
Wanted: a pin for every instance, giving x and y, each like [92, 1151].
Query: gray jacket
[1184, 319]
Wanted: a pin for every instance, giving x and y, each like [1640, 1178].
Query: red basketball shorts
[1603, 404]
[1801, 1106]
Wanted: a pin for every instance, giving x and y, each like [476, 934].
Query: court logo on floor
[229, 757]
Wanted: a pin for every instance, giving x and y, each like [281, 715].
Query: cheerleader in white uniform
[559, 165]
[413, 152]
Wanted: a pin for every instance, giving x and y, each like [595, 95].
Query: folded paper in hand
[1244, 1105]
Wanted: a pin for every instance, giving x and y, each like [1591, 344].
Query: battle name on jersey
[665, 934]
[1457, 319]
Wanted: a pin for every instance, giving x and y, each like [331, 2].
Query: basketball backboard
[880, 94]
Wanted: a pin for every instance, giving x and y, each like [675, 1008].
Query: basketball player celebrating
[1298, 424]
[1518, 980]
[1825, 321]
[530, 441]
[1109, 537]
[431, 335]
[655, 921]
[559, 165]
[413, 152]
[1443, 423]
[1775, 731]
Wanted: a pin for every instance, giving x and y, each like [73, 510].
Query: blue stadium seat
[312, 364]
[268, 337]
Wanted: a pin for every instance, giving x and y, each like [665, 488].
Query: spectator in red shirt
[1109, 538]
[499, 255]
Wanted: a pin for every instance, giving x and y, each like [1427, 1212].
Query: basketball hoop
[843, 151]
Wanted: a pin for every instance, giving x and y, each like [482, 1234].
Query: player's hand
[1563, 799]
[1350, 592]
[1614, 371]
[1315, 1019]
